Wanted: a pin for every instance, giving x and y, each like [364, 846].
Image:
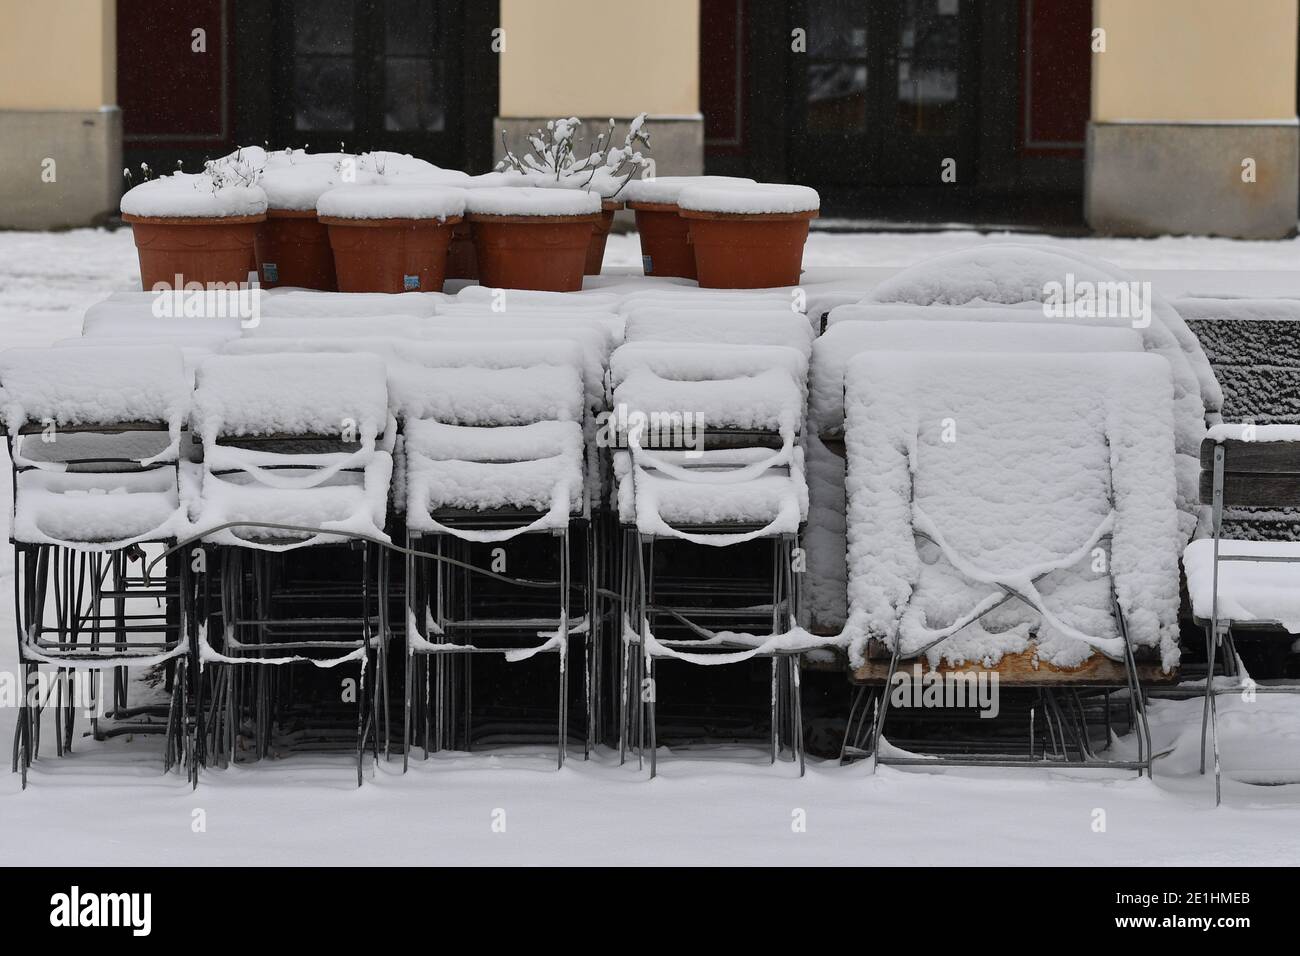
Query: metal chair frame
[1275, 462]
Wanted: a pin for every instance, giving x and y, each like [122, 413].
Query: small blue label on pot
[411, 283]
[647, 265]
[270, 272]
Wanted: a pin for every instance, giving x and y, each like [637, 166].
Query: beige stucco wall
[1195, 60]
[58, 54]
[600, 58]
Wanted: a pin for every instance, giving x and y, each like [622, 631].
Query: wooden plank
[1253, 490]
[1256, 457]
[1018, 670]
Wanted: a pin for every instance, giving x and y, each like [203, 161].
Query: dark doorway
[371, 74]
[885, 92]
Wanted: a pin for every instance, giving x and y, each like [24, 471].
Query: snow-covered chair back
[695, 362]
[926, 332]
[487, 397]
[1001, 504]
[292, 439]
[94, 436]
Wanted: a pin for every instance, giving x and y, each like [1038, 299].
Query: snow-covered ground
[110, 803]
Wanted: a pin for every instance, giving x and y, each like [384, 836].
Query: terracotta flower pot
[293, 249]
[600, 235]
[665, 240]
[462, 263]
[390, 255]
[198, 249]
[737, 251]
[546, 253]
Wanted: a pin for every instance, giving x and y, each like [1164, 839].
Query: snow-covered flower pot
[529, 238]
[561, 159]
[293, 245]
[193, 227]
[748, 236]
[389, 238]
[462, 262]
[665, 236]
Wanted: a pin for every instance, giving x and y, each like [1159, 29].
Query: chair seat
[455, 469]
[350, 500]
[73, 508]
[777, 496]
[1250, 591]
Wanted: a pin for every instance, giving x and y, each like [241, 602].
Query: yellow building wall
[58, 54]
[600, 58]
[1189, 60]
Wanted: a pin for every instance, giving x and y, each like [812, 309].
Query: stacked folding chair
[709, 408]
[494, 479]
[291, 498]
[94, 435]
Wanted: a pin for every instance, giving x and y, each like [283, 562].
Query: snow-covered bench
[1014, 512]
[1237, 584]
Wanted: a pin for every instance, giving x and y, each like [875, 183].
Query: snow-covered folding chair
[1241, 584]
[296, 465]
[491, 455]
[1018, 511]
[747, 486]
[94, 435]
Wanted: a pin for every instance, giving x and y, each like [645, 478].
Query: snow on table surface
[192, 195]
[836, 348]
[1013, 273]
[1261, 591]
[290, 394]
[531, 201]
[392, 201]
[666, 189]
[758, 199]
[1194, 384]
[948, 442]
